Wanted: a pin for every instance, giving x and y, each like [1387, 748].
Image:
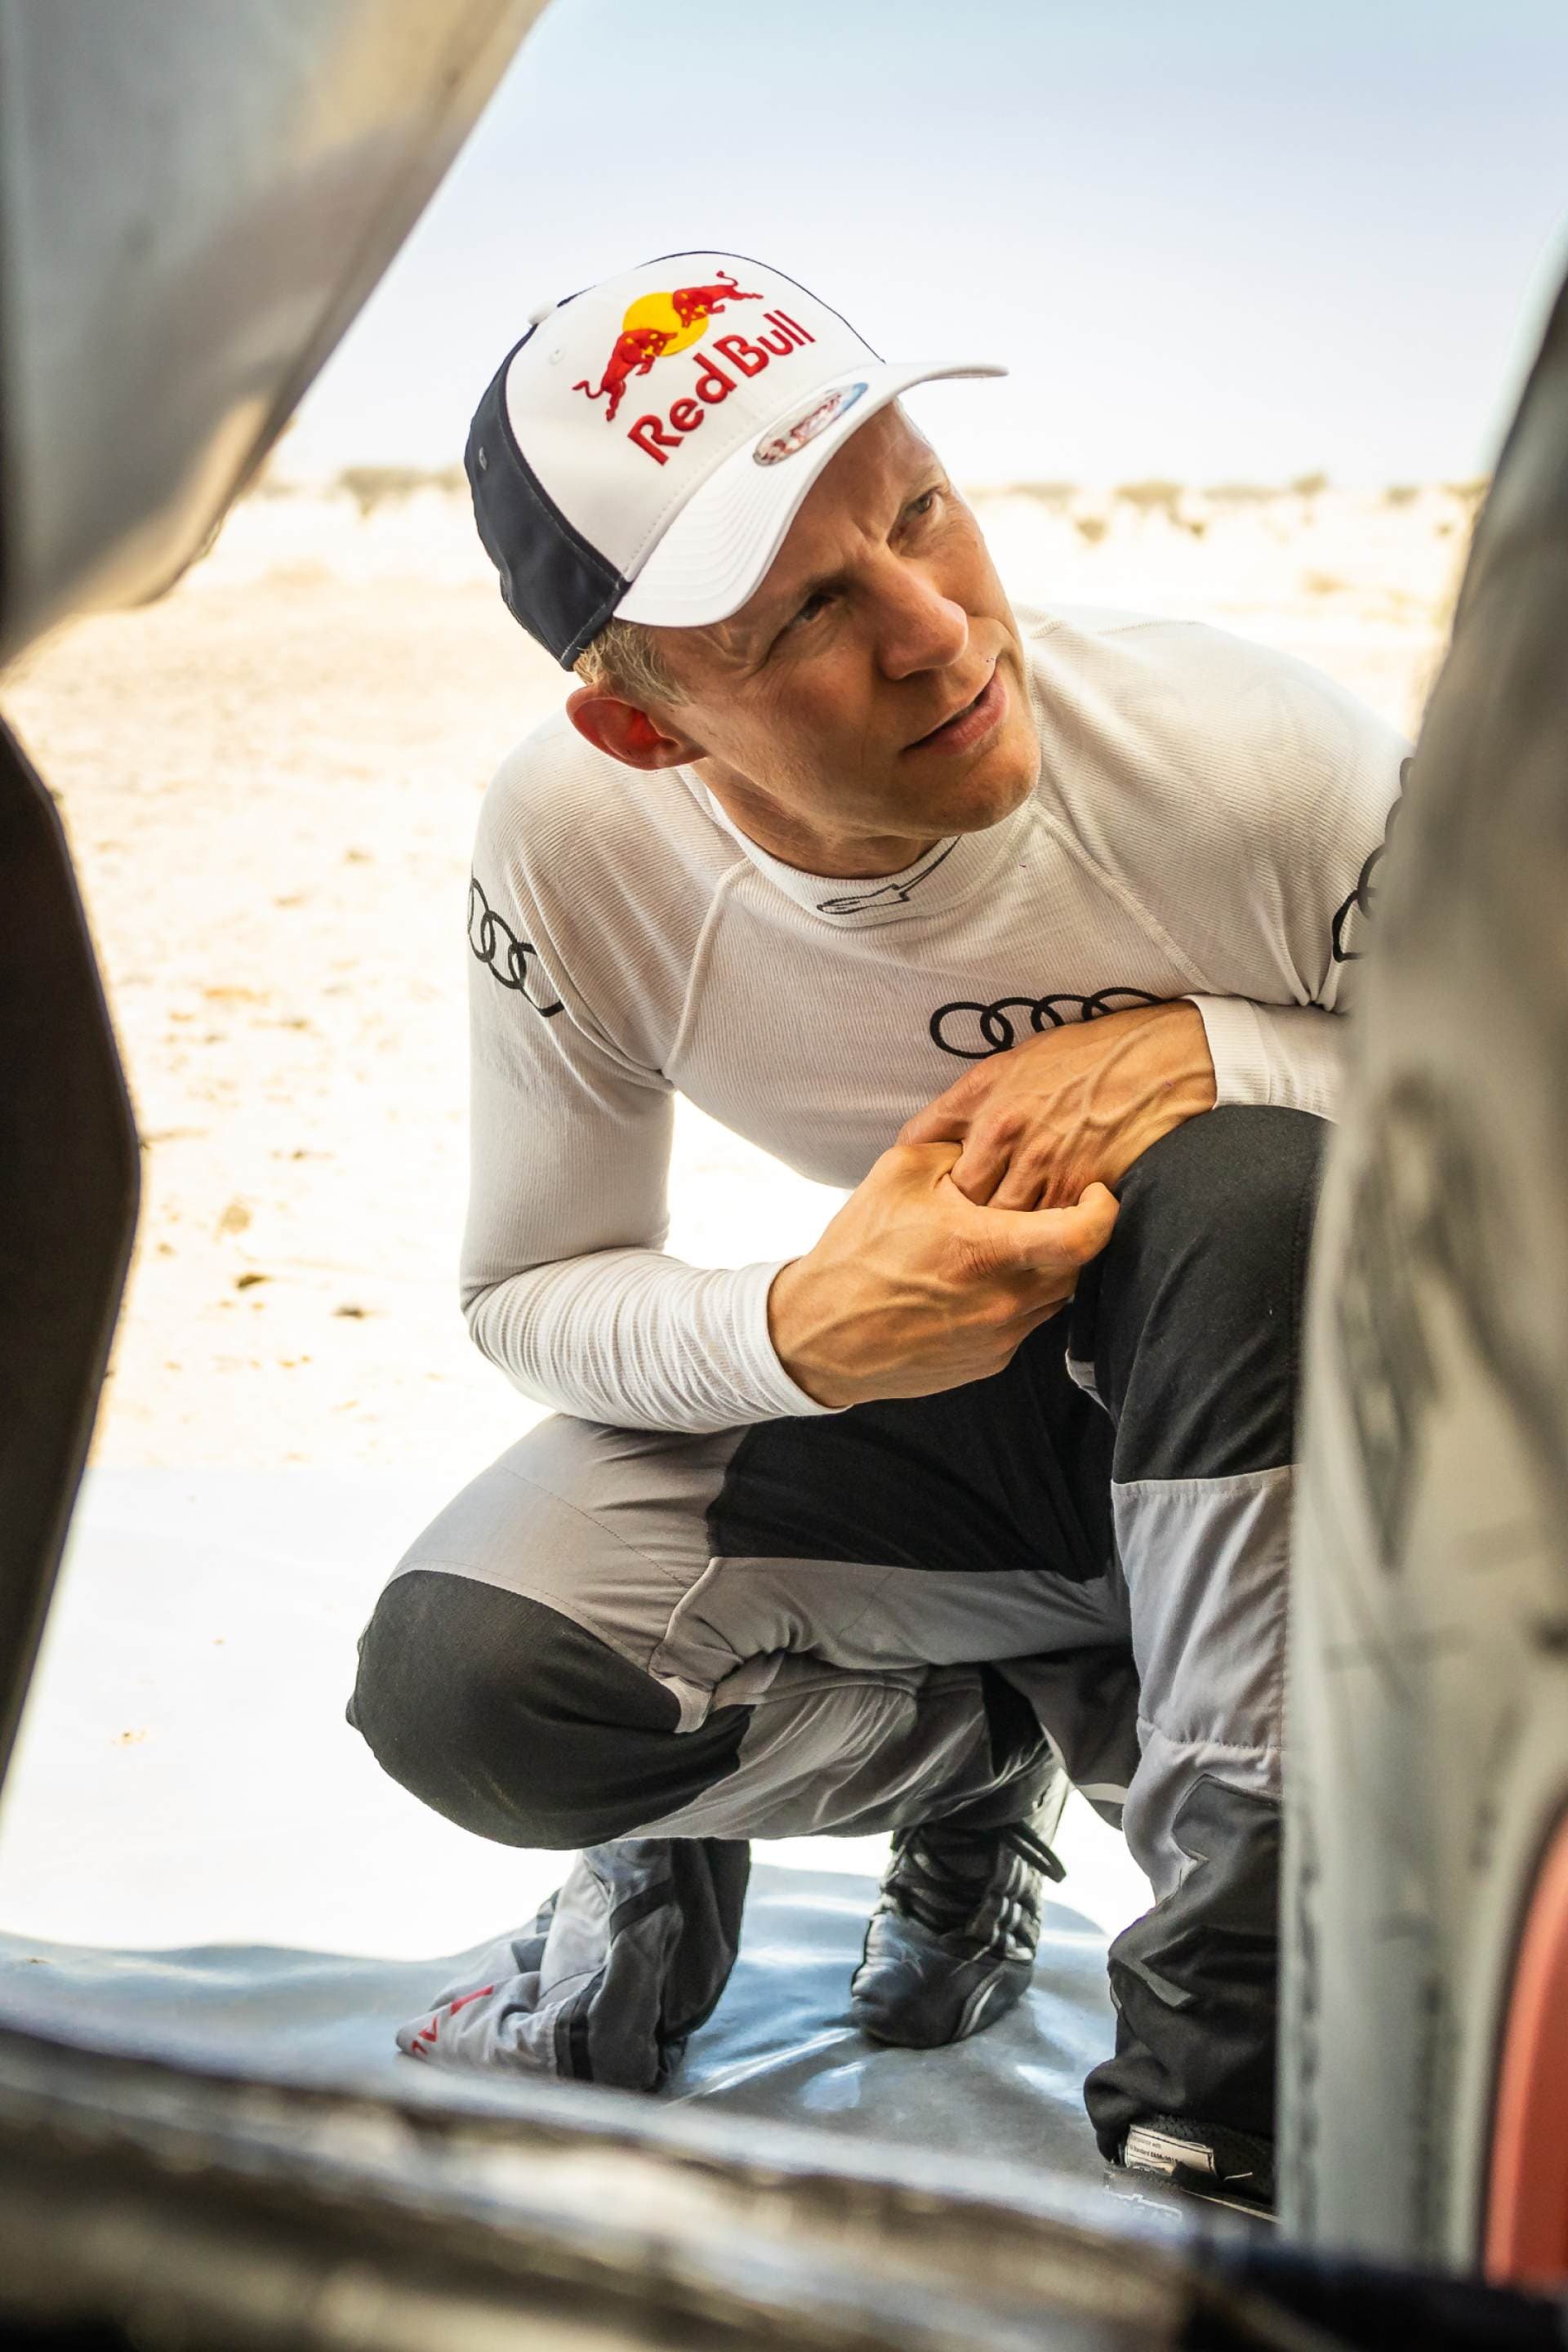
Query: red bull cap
[643, 450]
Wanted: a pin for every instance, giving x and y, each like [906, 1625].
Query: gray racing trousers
[613, 1639]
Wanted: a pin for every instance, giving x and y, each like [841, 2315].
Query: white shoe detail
[1148, 2150]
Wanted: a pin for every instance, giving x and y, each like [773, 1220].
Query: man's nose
[920, 628]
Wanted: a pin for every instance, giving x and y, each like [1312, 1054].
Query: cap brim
[717, 551]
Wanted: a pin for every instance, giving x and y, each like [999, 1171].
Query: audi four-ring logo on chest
[973, 1032]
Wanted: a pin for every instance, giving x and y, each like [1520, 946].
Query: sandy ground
[271, 780]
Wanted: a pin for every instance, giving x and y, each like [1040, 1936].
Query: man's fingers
[935, 1124]
[1093, 1219]
[1098, 1209]
[1032, 1183]
[979, 1170]
[927, 1163]
[1045, 1314]
[1048, 1239]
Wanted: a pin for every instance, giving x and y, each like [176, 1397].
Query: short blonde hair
[624, 660]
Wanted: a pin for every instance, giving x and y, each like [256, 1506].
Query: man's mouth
[969, 725]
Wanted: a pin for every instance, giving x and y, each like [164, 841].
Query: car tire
[1425, 2008]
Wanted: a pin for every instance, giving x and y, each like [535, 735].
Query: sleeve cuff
[1287, 1056]
[778, 1397]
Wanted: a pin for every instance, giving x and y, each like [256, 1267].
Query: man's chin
[1007, 768]
[997, 787]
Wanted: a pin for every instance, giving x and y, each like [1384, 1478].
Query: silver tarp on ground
[779, 2045]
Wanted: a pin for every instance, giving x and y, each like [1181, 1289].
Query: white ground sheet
[197, 1857]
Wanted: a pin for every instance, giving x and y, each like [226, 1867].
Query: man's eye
[808, 611]
[923, 505]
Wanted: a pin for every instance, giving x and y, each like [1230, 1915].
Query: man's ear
[626, 733]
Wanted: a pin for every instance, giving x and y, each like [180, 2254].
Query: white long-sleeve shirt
[1205, 820]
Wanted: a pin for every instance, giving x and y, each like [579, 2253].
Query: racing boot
[1225, 2166]
[950, 1944]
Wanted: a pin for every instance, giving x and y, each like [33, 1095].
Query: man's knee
[512, 1722]
[1193, 1312]
[1233, 1190]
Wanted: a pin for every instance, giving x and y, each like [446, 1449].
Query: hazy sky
[1215, 239]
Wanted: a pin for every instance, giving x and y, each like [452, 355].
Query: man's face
[872, 694]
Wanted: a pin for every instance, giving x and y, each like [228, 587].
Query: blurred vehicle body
[1427, 1993]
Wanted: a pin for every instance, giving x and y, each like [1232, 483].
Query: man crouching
[1032, 930]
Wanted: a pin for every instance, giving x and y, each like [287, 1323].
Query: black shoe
[950, 1945]
[1205, 2159]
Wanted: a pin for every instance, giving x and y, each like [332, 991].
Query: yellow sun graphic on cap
[657, 310]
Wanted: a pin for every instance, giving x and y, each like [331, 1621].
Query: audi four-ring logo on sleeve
[1364, 898]
[500, 949]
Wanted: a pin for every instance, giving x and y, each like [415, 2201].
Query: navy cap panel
[560, 589]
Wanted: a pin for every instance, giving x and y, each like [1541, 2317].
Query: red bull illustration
[694, 304]
[657, 325]
[636, 349]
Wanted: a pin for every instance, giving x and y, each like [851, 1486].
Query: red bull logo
[658, 325]
[661, 326]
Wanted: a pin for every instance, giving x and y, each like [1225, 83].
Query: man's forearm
[640, 1340]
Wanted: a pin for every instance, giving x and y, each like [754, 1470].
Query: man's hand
[912, 1289]
[1077, 1106]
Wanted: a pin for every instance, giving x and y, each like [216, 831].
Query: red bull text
[746, 355]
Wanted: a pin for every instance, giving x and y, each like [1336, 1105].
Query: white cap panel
[627, 398]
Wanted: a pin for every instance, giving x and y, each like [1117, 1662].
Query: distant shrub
[1323, 583]
[1472, 493]
[1240, 494]
[1401, 494]
[1309, 486]
[1047, 494]
[1090, 528]
[1152, 497]
[373, 486]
